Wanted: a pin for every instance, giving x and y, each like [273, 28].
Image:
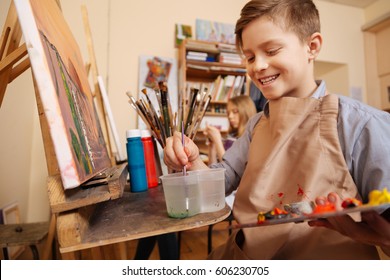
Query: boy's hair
[246, 109]
[298, 16]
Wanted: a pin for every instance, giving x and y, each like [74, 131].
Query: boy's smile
[278, 62]
[268, 79]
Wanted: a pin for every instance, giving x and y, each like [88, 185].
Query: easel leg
[50, 237]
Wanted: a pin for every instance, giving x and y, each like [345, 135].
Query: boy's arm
[374, 228]
[364, 134]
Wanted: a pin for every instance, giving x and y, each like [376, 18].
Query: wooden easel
[70, 209]
[92, 67]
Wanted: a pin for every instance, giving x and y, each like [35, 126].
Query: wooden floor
[193, 246]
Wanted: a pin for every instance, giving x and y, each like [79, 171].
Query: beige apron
[294, 155]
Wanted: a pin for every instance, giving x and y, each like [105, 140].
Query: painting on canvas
[153, 69]
[182, 31]
[64, 90]
[211, 31]
[158, 70]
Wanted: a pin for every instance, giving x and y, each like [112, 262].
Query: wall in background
[377, 10]
[377, 40]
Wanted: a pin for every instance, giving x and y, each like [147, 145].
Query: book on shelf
[239, 83]
[222, 88]
[194, 53]
[227, 48]
[219, 90]
[201, 86]
[230, 93]
[230, 55]
[227, 88]
[216, 85]
[201, 58]
[231, 58]
[231, 61]
[201, 46]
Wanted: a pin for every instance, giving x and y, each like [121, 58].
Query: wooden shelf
[205, 74]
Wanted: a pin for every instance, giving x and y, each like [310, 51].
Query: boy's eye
[272, 51]
[250, 58]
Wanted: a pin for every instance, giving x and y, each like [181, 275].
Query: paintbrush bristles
[163, 122]
[163, 86]
[165, 108]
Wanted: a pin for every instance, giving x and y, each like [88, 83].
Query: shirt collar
[320, 91]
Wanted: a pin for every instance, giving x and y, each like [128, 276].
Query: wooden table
[133, 216]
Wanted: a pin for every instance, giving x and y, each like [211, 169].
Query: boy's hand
[175, 156]
[374, 229]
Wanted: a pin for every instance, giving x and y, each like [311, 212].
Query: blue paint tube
[136, 161]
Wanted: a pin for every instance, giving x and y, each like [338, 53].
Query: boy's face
[277, 61]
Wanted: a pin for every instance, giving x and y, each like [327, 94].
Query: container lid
[146, 133]
[131, 133]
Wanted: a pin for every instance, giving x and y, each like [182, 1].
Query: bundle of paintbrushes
[162, 122]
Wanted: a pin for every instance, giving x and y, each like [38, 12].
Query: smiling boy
[308, 143]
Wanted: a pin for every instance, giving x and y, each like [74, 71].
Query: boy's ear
[314, 45]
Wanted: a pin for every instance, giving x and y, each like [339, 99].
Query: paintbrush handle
[199, 120]
[166, 121]
[183, 143]
[191, 111]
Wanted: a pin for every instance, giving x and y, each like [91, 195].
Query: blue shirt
[364, 134]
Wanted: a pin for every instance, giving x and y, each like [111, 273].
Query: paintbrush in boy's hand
[182, 142]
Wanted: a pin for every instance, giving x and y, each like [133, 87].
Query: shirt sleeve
[364, 134]
[235, 159]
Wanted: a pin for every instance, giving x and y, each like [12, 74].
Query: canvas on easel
[64, 90]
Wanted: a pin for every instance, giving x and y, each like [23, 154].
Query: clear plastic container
[212, 189]
[182, 196]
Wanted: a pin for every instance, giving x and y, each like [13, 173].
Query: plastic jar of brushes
[181, 194]
[148, 145]
[136, 161]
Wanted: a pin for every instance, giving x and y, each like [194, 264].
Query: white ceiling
[354, 3]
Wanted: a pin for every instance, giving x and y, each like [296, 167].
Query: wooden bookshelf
[200, 67]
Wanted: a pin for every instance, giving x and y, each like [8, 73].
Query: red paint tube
[150, 164]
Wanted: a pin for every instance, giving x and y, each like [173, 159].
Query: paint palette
[299, 218]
